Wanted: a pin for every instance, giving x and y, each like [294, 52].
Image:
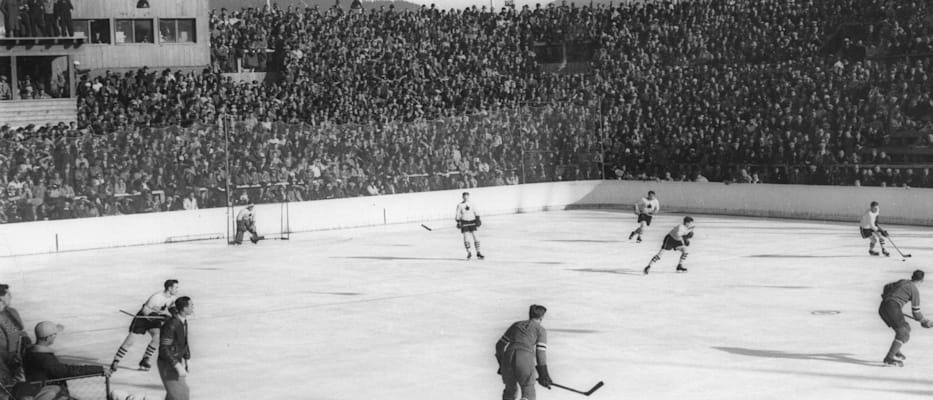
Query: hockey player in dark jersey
[522, 346]
[678, 239]
[893, 298]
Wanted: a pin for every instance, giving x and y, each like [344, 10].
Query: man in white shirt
[190, 202]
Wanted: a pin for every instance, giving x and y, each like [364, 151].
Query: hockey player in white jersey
[870, 229]
[678, 239]
[149, 320]
[645, 209]
[468, 221]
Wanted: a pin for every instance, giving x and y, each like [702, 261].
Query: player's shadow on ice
[388, 258]
[927, 393]
[800, 256]
[620, 271]
[583, 241]
[383, 258]
[832, 357]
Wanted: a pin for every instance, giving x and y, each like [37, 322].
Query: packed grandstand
[382, 101]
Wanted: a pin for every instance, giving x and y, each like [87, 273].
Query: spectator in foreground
[42, 365]
[12, 338]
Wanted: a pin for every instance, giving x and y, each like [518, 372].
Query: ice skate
[469, 256]
[144, 365]
[891, 362]
[631, 235]
[480, 256]
[900, 356]
[113, 366]
[885, 252]
[638, 240]
[680, 268]
[874, 253]
[646, 269]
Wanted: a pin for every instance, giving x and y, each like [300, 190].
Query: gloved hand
[182, 372]
[459, 225]
[686, 242]
[883, 232]
[544, 379]
[479, 222]
[926, 323]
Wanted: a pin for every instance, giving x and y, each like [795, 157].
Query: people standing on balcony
[48, 14]
[36, 18]
[62, 10]
[10, 10]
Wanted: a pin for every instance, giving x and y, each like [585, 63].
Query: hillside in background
[238, 4]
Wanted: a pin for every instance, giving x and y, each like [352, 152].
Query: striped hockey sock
[476, 243]
[149, 351]
[654, 259]
[683, 257]
[120, 353]
[466, 244]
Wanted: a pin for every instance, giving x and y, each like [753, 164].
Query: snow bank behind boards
[899, 206]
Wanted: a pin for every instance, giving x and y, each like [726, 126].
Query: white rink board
[903, 206]
[394, 312]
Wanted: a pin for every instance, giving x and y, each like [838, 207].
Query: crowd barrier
[834, 203]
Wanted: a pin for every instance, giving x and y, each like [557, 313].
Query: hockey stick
[898, 250]
[143, 316]
[586, 393]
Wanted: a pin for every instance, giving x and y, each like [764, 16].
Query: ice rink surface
[770, 309]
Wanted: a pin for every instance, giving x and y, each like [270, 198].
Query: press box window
[176, 31]
[97, 31]
[134, 31]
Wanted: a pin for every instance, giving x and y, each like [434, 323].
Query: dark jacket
[10, 9]
[41, 364]
[63, 7]
[12, 340]
[173, 342]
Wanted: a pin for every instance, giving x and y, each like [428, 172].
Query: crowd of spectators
[64, 172]
[380, 101]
